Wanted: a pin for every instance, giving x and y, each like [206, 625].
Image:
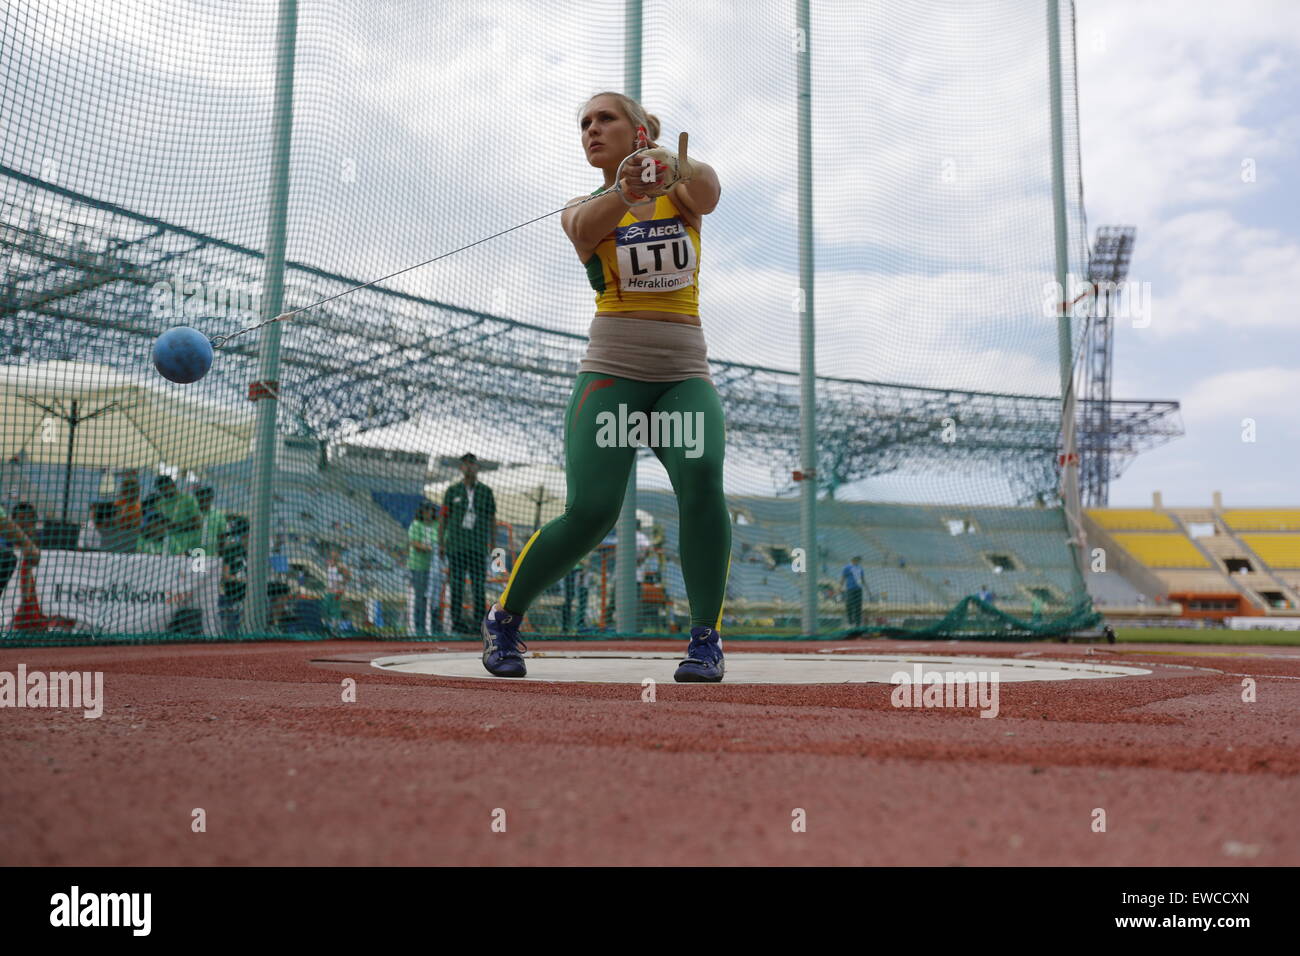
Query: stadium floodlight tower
[1107, 271]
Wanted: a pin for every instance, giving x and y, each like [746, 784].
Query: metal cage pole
[626, 599]
[266, 389]
[1069, 442]
[807, 332]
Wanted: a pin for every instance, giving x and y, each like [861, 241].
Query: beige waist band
[646, 350]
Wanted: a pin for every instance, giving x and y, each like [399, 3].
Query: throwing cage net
[138, 186]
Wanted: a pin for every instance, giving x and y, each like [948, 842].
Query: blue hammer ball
[182, 354]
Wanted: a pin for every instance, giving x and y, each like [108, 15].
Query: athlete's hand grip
[685, 171]
[680, 169]
[676, 168]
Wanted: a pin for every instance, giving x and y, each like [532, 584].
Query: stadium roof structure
[378, 357]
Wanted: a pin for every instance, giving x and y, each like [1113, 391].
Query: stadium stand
[1209, 561]
[1262, 519]
[1197, 562]
[1280, 551]
[1162, 550]
[1112, 590]
[1132, 519]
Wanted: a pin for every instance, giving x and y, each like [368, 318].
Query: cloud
[1174, 96]
[1244, 392]
[1209, 273]
[420, 130]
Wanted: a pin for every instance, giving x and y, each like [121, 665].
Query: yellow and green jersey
[651, 264]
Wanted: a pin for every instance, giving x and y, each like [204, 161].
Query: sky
[1190, 126]
[419, 131]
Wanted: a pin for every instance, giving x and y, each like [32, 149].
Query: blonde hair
[632, 110]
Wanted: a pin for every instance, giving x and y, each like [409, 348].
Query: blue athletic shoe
[704, 663]
[501, 645]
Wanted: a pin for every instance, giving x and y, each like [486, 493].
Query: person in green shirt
[153, 536]
[182, 514]
[212, 521]
[423, 565]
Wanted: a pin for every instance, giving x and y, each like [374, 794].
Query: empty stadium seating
[1109, 589]
[1207, 581]
[1245, 555]
[1132, 519]
[912, 555]
[1162, 550]
[1276, 550]
[1262, 519]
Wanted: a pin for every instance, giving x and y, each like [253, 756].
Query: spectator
[130, 520]
[116, 537]
[576, 590]
[234, 554]
[153, 538]
[423, 564]
[212, 521]
[650, 557]
[98, 532]
[26, 517]
[853, 579]
[279, 560]
[182, 515]
[469, 513]
[337, 578]
[20, 530]
[984, 594]
[281, 607]
[374, 608]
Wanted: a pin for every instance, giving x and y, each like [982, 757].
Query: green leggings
[689, 437]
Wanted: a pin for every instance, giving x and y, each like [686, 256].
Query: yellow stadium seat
[1277, 550]
[1132, 519]
[1163, 550]
[1263, 519]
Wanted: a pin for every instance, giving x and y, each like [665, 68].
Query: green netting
[136, 183]
[977, 619]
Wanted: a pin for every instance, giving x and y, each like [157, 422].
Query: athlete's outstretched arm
[587, 224]
[701, 192]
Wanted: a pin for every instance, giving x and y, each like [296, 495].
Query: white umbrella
[94, 416]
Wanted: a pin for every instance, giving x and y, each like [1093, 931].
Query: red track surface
[258, 736]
